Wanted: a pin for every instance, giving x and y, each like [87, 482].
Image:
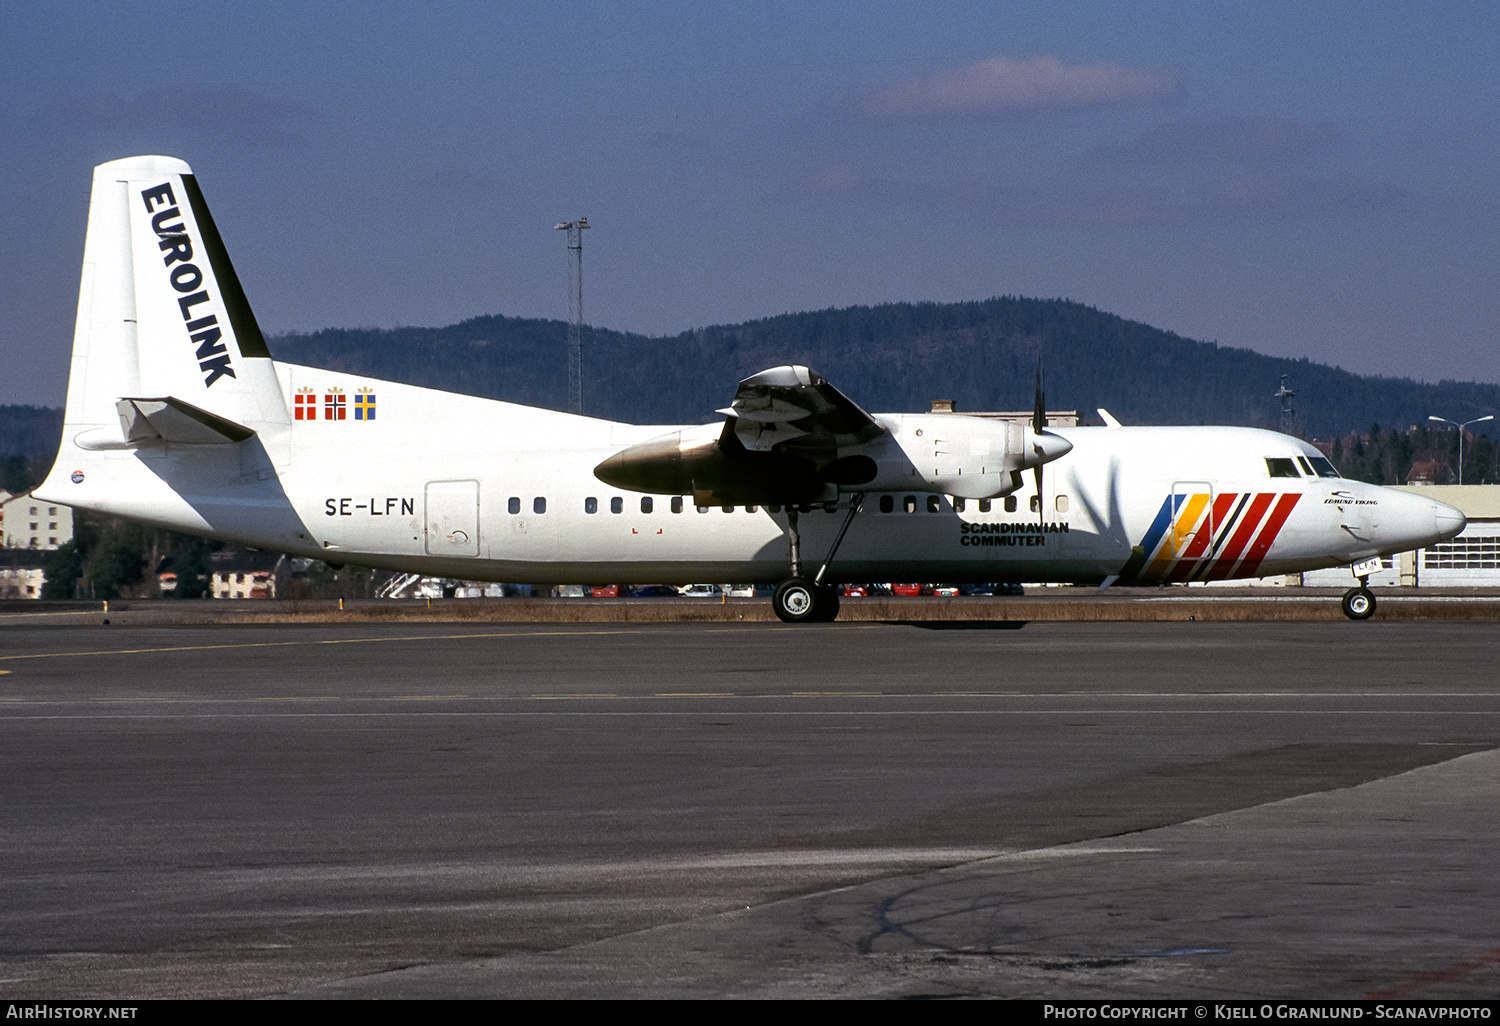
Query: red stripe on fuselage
[1268, 534]
[1241, 537]
[1184, 570]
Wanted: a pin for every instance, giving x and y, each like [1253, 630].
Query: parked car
[605, 591]
[856, 590]
[1008, 588]
[652, 591]
[906, 589]
[700, 591]
[945, 590]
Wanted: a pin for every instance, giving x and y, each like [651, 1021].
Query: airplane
[178, 416]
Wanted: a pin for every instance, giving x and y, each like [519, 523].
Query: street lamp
[1461, 427]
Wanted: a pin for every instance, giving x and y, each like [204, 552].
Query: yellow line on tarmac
[372, 641]
[326, 641]
[555, 697]
[22, 616]
[695, 694]
[809, 694]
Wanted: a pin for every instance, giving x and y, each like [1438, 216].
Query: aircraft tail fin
[161, 314]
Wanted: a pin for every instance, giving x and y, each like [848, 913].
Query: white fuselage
[457, 486]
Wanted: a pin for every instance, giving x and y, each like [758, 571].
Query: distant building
[243, 575]
[1055, 418]
[29, 523]
[21, 574]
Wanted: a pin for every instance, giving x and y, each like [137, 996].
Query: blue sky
[1302, 179]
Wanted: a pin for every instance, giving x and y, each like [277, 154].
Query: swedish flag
[364, 406]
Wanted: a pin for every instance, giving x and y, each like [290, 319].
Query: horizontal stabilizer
[172, 420]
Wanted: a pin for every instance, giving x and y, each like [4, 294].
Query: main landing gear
[1359, 603]
[798, 599]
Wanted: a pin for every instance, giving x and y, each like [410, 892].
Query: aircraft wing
[796, 405]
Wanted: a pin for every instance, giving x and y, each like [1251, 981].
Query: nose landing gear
[1359, 603]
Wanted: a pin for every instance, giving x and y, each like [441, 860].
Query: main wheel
[796, 600]
[1359, 604]
[828, 604]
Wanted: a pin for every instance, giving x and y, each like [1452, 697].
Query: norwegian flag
[334, 407]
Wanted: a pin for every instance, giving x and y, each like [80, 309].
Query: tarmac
[980, 808]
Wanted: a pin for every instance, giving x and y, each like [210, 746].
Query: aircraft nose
[1448, 520]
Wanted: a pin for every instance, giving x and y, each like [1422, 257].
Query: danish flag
[305, 405]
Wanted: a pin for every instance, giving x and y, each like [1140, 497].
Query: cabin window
[1276, 466]
[959, 505]
[934, 504]
[1036, 504]
[727, 509]
[1010, 504]
[513, 504]
[1061, 504]
[646, 504]
[701, 509]
[590, 505]
[909, 504]
[1323, 467]
[887, 503]
[538, 505]
[617, 505]
[984, 505]
[676, 504]
[773, 509]
[749, 509]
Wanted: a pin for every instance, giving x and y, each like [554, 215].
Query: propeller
[1038, 425]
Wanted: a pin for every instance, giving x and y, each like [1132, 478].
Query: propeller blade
[1039, 414]
[1038, 425]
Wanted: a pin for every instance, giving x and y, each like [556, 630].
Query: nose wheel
[1359, 603]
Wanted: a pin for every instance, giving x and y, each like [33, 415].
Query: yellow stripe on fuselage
[1182, 530]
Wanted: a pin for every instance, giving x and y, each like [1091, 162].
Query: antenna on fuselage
[575, 312]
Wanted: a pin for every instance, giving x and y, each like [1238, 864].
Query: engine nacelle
[971, 457]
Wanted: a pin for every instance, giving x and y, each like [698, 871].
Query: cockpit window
[1279, 467]
[1323, 467]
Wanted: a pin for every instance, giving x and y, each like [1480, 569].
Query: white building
[21, 574]
[29, 523]
[243, 575]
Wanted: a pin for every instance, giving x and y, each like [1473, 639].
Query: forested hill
[895, 358]
[892, 358]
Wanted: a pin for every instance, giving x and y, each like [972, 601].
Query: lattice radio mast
[575, 312]
[1288, 413]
